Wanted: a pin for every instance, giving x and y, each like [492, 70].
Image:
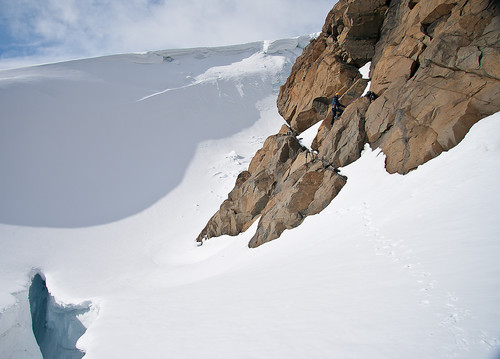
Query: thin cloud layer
[57, 29]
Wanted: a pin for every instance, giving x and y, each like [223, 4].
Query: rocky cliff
[435, 68]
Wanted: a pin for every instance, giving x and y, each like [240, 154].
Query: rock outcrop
[436, 70]
[255, 187]
[331, 62]
[284, 184]
[435, 67]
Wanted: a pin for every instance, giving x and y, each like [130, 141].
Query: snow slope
[81, 141]
[396, 267]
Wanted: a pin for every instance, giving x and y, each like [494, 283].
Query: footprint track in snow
[451, 313]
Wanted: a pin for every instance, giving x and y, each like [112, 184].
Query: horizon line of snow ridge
[267, 46]
[157, 56]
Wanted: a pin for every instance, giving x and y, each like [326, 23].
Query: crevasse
[56, 327]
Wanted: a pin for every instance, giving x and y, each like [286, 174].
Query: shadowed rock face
[436, 72]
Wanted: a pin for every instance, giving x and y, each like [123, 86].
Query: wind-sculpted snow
[77, 148]
[259, 66]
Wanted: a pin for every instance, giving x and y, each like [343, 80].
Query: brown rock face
[331, 63]
[284, 184]
[436, 71]
[435, 68]
[305, 192]
[255, 187]
[355, 25]
[313, 85]
[343, 144]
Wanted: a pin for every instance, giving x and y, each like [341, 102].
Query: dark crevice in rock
[480, 59]
[414, 68]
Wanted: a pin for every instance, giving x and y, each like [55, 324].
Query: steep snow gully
[56, 327]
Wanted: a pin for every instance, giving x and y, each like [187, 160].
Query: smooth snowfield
[396, 267]
[80, 142]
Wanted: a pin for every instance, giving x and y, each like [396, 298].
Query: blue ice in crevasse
[56, 327]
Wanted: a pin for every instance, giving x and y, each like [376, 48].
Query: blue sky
[36, 31]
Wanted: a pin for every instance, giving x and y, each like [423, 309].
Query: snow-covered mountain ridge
[396, 266]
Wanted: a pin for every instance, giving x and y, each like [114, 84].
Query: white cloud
[73, 28]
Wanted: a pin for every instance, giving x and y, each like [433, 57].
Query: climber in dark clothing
[371, 96]
[336, 107]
